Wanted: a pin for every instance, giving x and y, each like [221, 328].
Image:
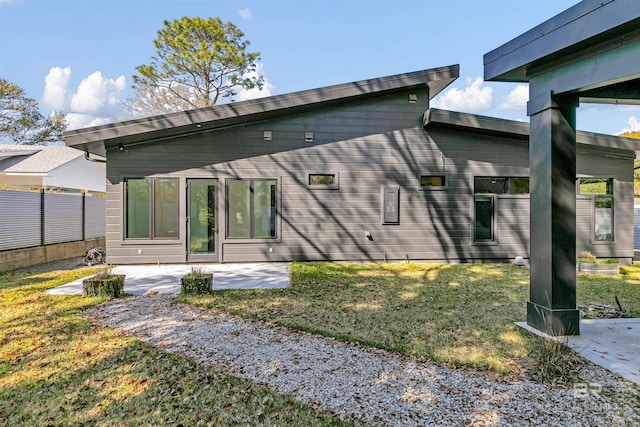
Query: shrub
[111, 286]
[554, 361]
[197, 282]
[608, 261]
[587, 257]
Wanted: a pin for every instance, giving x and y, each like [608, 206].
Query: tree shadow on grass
[58, 369]
[461, 314]
[138, 384]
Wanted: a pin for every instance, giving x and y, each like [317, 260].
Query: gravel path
[372, 385]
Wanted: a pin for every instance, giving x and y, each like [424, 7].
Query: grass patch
[461, 314]
[58, 369]
[597, 289]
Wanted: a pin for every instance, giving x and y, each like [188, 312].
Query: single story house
[59, 168]
[359, 171]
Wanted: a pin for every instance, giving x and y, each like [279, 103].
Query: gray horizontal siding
[63, 218]
[636, 227]
[94, 217]
[19, 220]
[379, 142]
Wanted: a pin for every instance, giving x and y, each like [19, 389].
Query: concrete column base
[553, 321]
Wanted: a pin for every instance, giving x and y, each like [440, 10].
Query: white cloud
[97, 95]
[267, 86]
[55, 88]
[78, 120]
[472, 99]
[517, 99]
[95, 101]
[245, 13]
[634, 126]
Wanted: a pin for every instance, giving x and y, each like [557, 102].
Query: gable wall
[378, 142]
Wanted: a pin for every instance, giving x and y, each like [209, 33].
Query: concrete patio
[165, 279]
[613, 344]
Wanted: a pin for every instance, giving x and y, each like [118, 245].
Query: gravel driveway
[371, 385]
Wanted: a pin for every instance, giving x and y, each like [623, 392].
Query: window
[432, 182]
[151, 206]
[251, 208]
[601, 192]
[322, 180]
[485, 190]
[483, 213]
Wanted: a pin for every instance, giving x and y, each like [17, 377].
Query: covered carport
[588, 53]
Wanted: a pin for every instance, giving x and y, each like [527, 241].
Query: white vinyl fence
[36, 219]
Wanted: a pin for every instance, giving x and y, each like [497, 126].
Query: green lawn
[462, 314]
[58, 369]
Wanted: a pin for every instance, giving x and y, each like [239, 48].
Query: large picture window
[251, 208]
[485, 190]
[151, 206]
[601, 192]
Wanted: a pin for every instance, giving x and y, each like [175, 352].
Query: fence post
[84, 216]
[42, 217]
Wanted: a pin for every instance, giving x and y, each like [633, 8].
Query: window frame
[278, 209]
[152, 213]
[592, 199]
[493, 240]
[495, 197]
[334, 186]
[433, 187]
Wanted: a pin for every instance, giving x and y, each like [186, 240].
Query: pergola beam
[588, 52]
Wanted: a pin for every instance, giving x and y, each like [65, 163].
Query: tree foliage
[197, 63]
[21, 120]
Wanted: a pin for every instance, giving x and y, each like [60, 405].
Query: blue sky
[79, 56]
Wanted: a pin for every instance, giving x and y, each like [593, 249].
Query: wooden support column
[552, 159]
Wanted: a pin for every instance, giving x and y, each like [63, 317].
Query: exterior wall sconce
[413, 98]
[308, 137]
[267, 135]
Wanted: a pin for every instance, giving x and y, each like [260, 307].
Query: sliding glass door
[202, 225]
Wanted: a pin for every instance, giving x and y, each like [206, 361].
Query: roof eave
[97, 140]
[520, 130]
[587, 23]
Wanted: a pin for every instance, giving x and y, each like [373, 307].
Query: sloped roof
[434, 117]
[97, 140]
[41, 159]
[563, 38]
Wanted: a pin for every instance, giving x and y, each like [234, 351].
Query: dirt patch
[596, 311]
[63, 264]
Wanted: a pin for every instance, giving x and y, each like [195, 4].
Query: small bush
[587, 257]
[608, 261]
[197, 271]
[106, 284]
[197, 282]
[554, 362]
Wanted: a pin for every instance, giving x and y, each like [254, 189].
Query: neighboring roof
[7, 150]
[520, 130]
[98, 139]
[577, 29]
[41, 159]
